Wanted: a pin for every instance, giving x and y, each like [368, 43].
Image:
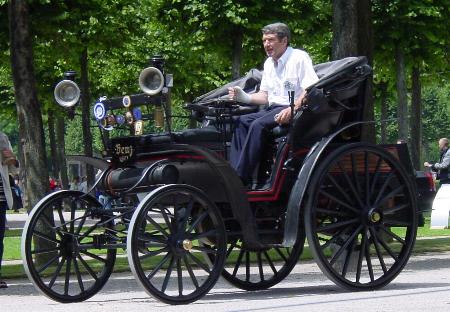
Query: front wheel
[63, 246]
[361, 216]
[174, 233]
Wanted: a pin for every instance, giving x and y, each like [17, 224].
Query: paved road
[424, 285]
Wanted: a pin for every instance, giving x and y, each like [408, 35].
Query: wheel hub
[69, 245]
[187, 244]
[374, 216]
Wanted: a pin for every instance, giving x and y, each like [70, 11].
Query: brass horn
[67, 93]
[151, 80]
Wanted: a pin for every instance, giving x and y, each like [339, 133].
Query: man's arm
[445, 162]
[239, 95]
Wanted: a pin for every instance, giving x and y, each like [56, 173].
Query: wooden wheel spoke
[272, 266]
[153, 253]
[384, 186]
[391, 194]
[361, 256]
[260, 266]
[247, 266]
[349, 256]
[376, 243]
[168, 274]
[333, 239]
[94, 256]
[88, 268]
[389, 250]
[158, 266]
[199, 263]
[44, 250]
[337, 225]
[67, 279]
[376, 175]
[356, 194]
[369, 261]
[338, 187]
[197, 221]
[345, 245]
[232, 246]
[47, 264]
[395, 208]
[206, 249]
[157, 226]
[56, 273]
[238, 262]
[45, 236]
[337, 200]
[394, 236]
[180, 277]
[78, 274]
[190, 271]
[281, 254]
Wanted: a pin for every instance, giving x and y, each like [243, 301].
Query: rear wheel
[63, 246]
[257, 270]
[361, 217]
[172, 234]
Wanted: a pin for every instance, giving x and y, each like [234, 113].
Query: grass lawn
[428, 241]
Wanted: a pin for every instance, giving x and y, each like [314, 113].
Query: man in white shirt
[285, 69]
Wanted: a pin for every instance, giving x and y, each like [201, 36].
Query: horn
[67, 93]
[151, 80]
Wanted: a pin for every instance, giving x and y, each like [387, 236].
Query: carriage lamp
[67, 93]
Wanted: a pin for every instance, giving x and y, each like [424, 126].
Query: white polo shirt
[294, 66]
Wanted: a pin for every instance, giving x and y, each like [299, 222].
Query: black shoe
[3, 284]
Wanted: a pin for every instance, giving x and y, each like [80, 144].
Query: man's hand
[239, 95]
[284, 116]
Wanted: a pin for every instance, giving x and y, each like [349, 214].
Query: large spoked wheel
[361, 217]
[172, 232]
[62, 247]
[257, 270]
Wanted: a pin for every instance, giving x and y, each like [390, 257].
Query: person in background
[83, 184]
[75, 185]
[442, 167]
[286, 70]
[9, 165]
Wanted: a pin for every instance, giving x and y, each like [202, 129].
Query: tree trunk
[384, 111]
[353, 36]
[61, 153]
[416, 120]
[30, 120]
[28, 109]
[51, 135]
[402, 104]
[345, 29]
[237, 53]
[85, 114]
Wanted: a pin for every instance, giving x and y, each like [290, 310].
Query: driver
[285, 69]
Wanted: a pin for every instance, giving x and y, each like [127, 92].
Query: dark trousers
[2, 229]
[247, 142]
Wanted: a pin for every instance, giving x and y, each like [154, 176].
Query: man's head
[276, 39]
[443, 144]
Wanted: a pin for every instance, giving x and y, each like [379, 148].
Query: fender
[232, 187]
[93, 161]
[301, 184]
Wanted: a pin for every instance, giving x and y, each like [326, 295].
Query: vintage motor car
[184, 217]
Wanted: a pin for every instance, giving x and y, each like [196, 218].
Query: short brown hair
[279, 29]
